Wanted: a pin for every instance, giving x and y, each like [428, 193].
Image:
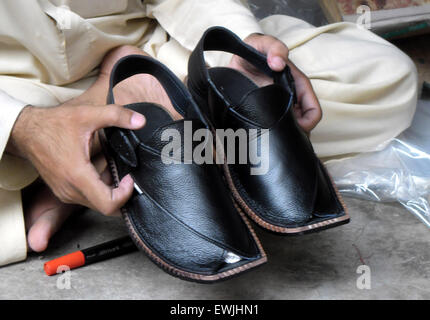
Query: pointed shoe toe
[181, 214]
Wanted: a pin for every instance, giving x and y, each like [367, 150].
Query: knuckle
[116, 114]
[79, 113]
[282, 48]
[108, 209]
[65, 196]
[74, 186]
[62, 197]
[75, 178]
[117, 110]
[279, 47]
[67, 200]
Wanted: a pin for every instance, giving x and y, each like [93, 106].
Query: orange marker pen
[91, 255]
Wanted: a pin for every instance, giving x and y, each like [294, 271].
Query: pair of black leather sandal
[188, 217]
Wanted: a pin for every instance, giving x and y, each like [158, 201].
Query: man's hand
[58, 142]
[308, 111]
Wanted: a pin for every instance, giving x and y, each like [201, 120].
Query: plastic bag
[400, 172]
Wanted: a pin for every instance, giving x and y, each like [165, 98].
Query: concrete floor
[385, 237]
[391, 241]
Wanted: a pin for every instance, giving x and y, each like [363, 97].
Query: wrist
[17, 138]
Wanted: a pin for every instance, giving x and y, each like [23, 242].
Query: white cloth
[49, 50]
[368, 88]
[12, 231]
[13, 247]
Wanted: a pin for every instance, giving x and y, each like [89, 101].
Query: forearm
[12, 145]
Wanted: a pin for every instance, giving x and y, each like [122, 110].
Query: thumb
[118, 116]
[275, 50]
[277, 55]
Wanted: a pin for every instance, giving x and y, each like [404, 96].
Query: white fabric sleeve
[10, 108]
[15, 172]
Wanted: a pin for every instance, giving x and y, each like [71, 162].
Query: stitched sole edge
[315, 227]
[172, 270]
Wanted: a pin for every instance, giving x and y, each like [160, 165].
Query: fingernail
[277, 63]
[137, 120]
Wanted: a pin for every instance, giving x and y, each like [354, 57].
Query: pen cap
[72, 260]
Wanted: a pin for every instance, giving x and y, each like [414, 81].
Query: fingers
[275, 50]
[309, 113]
[84, 184]
[116, 116]
[102, 197]
[277, 55]
[92, 190]
[309, 119]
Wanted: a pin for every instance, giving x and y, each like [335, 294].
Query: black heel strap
[137, 64]
[222, 39]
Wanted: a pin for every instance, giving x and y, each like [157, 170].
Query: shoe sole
[168, 268]
[311, 228]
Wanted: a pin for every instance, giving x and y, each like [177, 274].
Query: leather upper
[183, 212]
[296, 189]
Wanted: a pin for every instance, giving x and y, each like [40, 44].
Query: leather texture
[182, 212]
[296, 191]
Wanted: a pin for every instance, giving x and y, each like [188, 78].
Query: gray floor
[388, 239]
[385, 237]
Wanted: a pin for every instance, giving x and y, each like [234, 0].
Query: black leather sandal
[296, 195]
[181, 215]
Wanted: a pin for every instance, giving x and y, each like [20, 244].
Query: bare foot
[139, 88]
[44, 215]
